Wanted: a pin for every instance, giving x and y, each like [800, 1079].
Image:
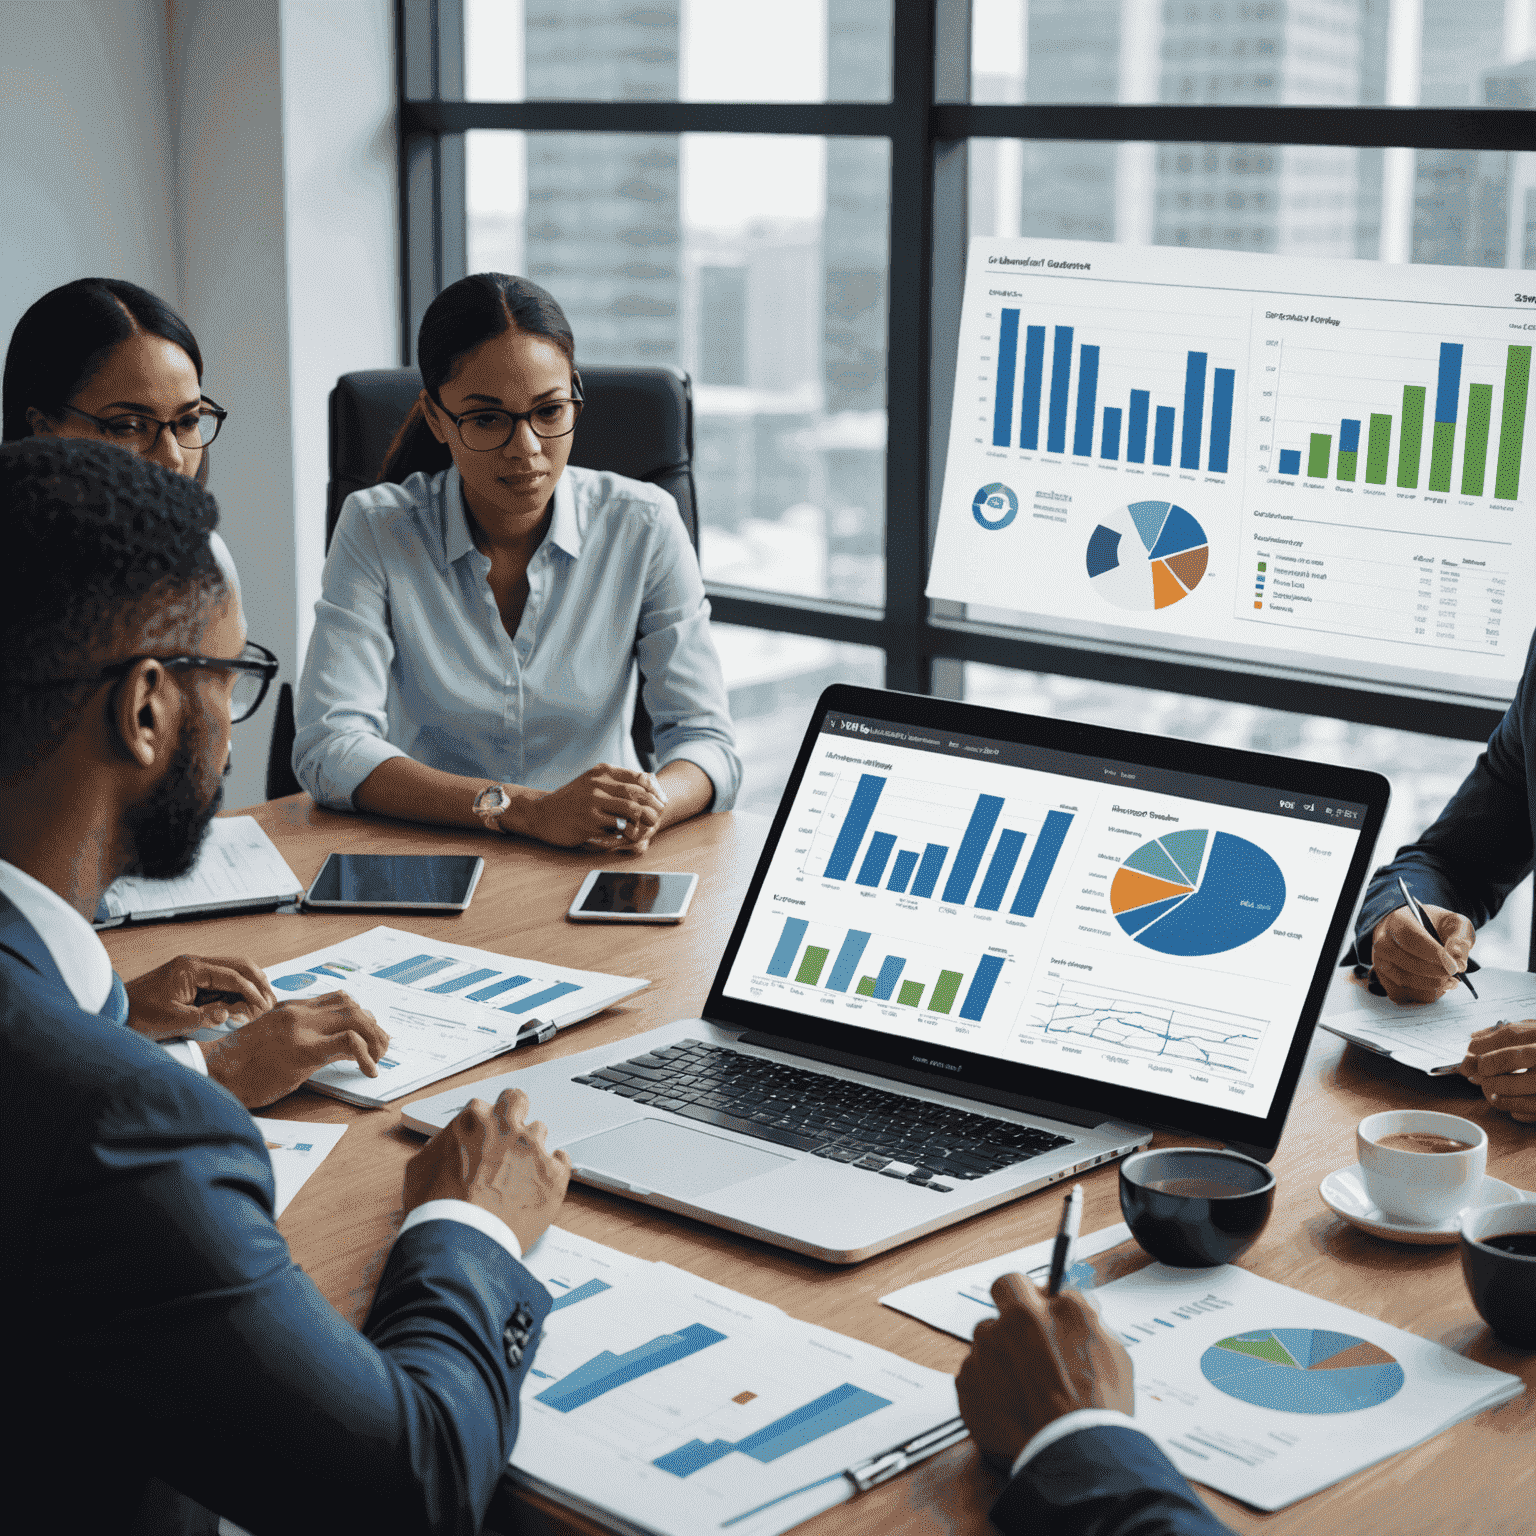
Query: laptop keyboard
[885, 1133]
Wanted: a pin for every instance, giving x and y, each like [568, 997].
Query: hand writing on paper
[1042, 1357]
[489, 1155]
[280, 1050]
[1411, 967]
[1499, 1061]
[162, 1003]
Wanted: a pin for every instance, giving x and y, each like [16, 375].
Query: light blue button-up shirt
[409, 657]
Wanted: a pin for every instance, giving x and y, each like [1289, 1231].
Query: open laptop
[981, 952]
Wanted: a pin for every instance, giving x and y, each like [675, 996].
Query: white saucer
[1343, 1192]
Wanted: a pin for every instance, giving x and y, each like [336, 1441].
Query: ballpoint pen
[1066, 1236]
[1423, 916]
[874, 1470]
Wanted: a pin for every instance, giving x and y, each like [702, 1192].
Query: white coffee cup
[1423, 1187]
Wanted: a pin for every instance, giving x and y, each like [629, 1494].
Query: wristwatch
[490, 804]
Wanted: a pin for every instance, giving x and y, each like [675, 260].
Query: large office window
[778, 200]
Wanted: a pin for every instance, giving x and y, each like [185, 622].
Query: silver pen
[874, 1470]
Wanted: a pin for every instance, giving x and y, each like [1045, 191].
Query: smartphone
[632, 896]
[419, 882]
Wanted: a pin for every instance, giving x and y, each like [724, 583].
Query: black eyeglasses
[255, 667]
[140, 433]
[489, 428]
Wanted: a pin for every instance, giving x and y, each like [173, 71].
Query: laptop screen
[1105, 917]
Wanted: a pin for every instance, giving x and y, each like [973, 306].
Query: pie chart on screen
[1195, 892]
[1148, 555]
[1302, 1370]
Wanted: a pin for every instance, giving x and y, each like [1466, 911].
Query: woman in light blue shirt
[487, 611]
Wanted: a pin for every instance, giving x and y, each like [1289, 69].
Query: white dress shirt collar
[458, 539]
[76, 950]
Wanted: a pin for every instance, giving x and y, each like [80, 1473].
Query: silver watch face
[491, 801]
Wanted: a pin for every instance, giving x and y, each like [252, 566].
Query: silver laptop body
[838, 1114]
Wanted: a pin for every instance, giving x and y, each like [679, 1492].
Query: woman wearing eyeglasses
[486, 607]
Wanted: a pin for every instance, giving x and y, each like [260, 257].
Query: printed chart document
[1430, 1036]
[1325, 464]
[659, 1402]
[957, 1301]
[297, 1148]
[445, 1007]
[238, 868]
[1269, 1394]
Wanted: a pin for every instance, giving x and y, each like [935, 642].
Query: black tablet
[419, 882]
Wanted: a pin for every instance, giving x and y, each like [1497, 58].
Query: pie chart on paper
[1195, 892]
[1302, 1370]
[1148, 555]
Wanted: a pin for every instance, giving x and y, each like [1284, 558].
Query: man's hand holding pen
[1412, 966]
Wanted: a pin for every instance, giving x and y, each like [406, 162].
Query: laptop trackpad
[671, 1159]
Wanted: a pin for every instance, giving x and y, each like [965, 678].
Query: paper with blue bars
[446, 1007]
[660, 1402]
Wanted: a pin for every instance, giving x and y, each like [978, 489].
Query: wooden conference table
[1480, 1476]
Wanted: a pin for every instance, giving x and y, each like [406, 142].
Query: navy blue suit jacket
[158, 1333]
[1106, 1481]
[1480, 846]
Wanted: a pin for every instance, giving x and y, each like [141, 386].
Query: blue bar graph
[1087, 400]
[538, 999]
[407, 971]
[901, 870]
[1136, 427]
[1000, 870]
[1061, 376]
[1224, 380]
[928, 871]
[607, 1370]
[1042, 861]
[1162, 436]
[831, 1411]
[458, 983]
[847, 961]
[1194, 410]
[496, 988]
[789, 943]
[1448, 385]
[1007, 359]
[979, 993]
[879, 851]
[1034, 374]
[855, 824]
[977, 834]
[1109, 447]
[583, 1292]
[890, 973]
[1349, 437]
[1290, 461]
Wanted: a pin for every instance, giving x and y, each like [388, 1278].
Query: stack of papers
[1430, 1036]
[445, 1007]
[238, 869]
[661, 1403]
[297, 1148]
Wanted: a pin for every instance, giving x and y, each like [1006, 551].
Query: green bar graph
[911, 994]
[1378, 450]
[1517, 385]
[1318, 455]
[1411, 444]
[1474, 463]
[944, 990]
[866, 986]
[1444, 445]
[1347, 462]
[810, 966]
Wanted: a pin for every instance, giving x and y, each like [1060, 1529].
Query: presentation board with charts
[1326, 465]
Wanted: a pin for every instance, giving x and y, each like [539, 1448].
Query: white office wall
[85, 181]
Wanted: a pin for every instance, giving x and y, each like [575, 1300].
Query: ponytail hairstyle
[464, 314]
[65, 337]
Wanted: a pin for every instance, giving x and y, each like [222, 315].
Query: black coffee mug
[1193, 1207]
[1503, 1285]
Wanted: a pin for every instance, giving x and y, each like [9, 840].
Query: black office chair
[636, 422]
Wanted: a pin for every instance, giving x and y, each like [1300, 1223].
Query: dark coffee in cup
[1195, 1189]
[1522, 1243]
[1422, 1141]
